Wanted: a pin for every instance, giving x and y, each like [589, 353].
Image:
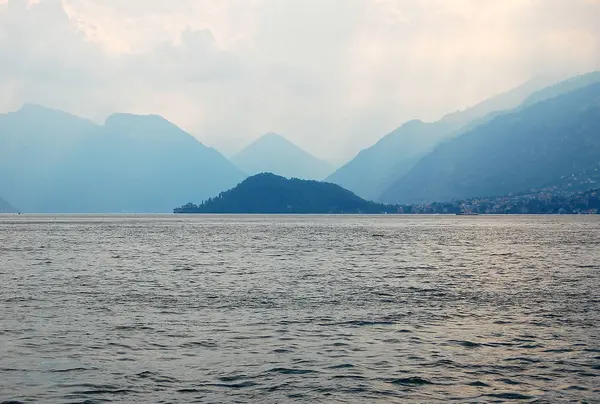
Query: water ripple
[348, 309]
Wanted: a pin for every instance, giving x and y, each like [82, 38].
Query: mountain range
[550, 140]
[376, 168]
[532, 137]
[6, 207]
[274, 153]
[51, 161]
[533, 146]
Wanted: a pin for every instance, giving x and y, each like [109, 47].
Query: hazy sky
[331, 75]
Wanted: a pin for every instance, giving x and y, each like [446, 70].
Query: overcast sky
[333, 76]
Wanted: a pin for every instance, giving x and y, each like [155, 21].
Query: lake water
[173, 309]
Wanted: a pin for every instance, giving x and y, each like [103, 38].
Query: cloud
[332, 75]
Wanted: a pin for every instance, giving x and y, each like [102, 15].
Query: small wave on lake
[347, 309]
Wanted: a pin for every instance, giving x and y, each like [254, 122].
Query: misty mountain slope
[550, 91]
[274, 153]
[369, 172]
[138, 163]
[502, 102]
[531, 147]
[272, 194]
[374, 169]
[562, 87]
[6, 207]
[34, 145]
[51, 161]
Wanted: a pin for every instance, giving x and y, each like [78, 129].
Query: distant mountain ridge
[371, 170]
[51, 161]
[34, 143]
[267, 193]
[6, 207]
[501, 102]
[538, 145]
[274, 153]
[562, 87]
[376, 168]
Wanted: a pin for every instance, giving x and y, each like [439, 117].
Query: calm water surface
[166, 309]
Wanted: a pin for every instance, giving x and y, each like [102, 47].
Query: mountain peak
[150, 127]
[33, 107]
[133, 163]
[122, 118]
[271, 138]
[274, 153]
[272, 135]
[40, 111]
[34, 121]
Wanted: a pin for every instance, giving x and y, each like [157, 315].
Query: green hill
[269, 193]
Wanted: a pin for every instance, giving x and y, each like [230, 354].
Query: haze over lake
[299, 308]
[299, 201]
